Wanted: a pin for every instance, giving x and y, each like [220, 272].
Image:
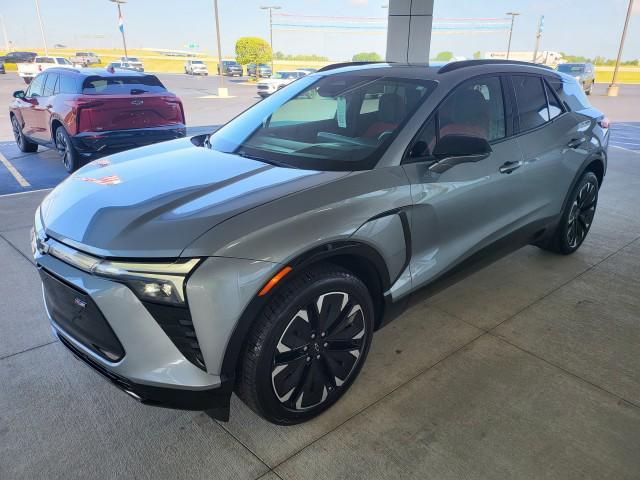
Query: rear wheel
[308, 346]
[24, 144]
[577, 218]
[589, 90]
[66, 150]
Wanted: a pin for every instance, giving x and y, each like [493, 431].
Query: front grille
[263, 87]
[75, 312]
[177, 324]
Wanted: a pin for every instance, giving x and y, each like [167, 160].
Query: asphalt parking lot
[528, 369]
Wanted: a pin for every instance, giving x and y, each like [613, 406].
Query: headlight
[155, 282]
[160, 282]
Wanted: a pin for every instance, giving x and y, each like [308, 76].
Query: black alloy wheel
[581, 214]
[66, 150]
[318, 351]
[23, 143]
[307, 346]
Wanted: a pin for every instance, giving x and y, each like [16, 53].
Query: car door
[471, 205]
[28, 105]
[552, 142]
[43, 109]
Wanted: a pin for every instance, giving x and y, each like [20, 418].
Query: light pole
[612, 91]
[121, 25]
[4, 32]
[538, 35]
[44, 40]
[513, 17]
[271, 8]
[222, 91]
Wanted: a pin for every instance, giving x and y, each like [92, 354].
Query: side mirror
[19, 94]
[420, 149]
[453, 150]
[461, 146]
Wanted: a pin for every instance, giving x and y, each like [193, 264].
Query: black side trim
[177, 324]
[214, 401]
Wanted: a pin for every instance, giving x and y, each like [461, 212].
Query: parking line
[12, 170]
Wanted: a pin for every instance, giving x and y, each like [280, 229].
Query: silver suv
[260, 259]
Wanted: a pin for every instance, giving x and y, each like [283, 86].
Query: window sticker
[341, 113]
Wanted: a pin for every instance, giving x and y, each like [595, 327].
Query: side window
[36, 86]
[425, 140]
[475, 108]
[50, 85]
[555, 108]
[570, 93]
[67, 84]
[532, 103]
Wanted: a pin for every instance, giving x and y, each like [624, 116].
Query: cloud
[359, 3]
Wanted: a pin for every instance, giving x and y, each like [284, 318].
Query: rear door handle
[508, 167]
[576, 142]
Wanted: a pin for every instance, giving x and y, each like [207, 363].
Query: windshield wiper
[244, 154]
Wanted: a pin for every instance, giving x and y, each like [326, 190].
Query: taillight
[83, 116]
[603, 122]
[176, 101]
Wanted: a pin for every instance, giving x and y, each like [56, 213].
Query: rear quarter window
[67, 84]
[570, 93]
[122, 85]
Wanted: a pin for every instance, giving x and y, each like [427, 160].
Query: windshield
[63, 61]
[568, 68]
[132, 59]
[336, 122]
[196, 62]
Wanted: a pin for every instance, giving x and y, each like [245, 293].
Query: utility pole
[121, 25]
[271, 8]
[513, 17]
[538, 35]
[222, 91]
[613, 89]
[44, 40]
[4, 32]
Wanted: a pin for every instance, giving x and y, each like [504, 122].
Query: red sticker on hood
[110, 180]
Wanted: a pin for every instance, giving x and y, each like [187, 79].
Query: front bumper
[105, 325]
[93, 143]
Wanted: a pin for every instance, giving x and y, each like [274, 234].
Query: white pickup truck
[29, 70]
[85, 59]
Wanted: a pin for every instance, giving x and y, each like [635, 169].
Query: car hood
[154, 201]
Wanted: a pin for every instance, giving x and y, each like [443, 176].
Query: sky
[579, 27]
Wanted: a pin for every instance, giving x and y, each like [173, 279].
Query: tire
[278, 377]
[590, 89]
[24, 144]
[577, 217]
[66, 150]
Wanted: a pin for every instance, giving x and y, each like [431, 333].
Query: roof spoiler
[451, 66]
[333, 66]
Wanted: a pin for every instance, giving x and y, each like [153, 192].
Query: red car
[88, 112]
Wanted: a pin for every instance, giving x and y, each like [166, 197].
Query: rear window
[122, 85]
[45, 60]
[569, 68]
[532, 102]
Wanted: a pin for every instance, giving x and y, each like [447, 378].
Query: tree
[444, 56]
[253, 50]
[477, 55]
[367, 57]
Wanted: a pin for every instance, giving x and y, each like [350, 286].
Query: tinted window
[50, 84]
[570, 93]
[475, 108]
[571, 68]
[319, 123]
[36, 86]
[532, 103]
[45, 60]
[122, 85]
[62, 61]
[67, 84]
[555, 108]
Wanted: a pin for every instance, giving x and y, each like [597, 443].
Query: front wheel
[577, 217]
[590, 89]
[307, 346]
[24, 144]
[66, 150]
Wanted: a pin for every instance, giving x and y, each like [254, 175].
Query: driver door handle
[508, 167]
[576, 142]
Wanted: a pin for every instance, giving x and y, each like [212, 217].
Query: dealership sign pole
[222, 91]
[44, 40]
[121, 26]
[538, 35]
[513, 17]
[612, 91]
[271, 8]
